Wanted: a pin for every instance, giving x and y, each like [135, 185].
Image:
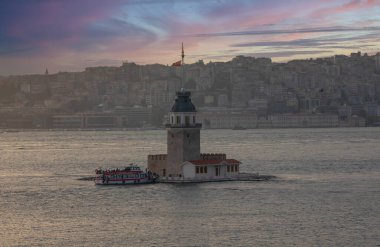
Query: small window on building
[194, 119]
[228, 168]
[205, 170]
[201, 169]
[237, 168]
[178, 119]
[197, 169]
[172, 120]
[187, 120]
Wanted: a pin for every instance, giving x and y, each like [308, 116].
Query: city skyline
[72, 35]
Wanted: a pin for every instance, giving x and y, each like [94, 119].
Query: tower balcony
[197, 125]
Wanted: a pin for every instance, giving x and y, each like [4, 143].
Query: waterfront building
[100, 120]
[344, 112]
[227, 118]
[304, 121]
[75, 121]
[372, 110]
[377, 62]
[86, 120]
[259, 104]
[136, 116]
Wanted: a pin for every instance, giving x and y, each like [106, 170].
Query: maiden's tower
[184, 161]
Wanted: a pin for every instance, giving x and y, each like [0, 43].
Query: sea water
[327, 190]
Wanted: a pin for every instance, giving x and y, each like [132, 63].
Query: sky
[70, 35]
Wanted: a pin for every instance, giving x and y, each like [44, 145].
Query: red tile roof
[213, 162]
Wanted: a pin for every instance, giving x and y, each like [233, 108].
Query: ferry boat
[131, 174]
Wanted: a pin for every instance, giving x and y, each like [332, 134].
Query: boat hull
[124, 182]
[124, 176]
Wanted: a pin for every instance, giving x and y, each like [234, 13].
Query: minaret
[183, 134]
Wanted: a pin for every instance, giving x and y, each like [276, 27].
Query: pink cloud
[353, 5]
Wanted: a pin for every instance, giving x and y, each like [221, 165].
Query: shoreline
[157, 128]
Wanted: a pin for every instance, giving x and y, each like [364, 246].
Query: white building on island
[210, 169]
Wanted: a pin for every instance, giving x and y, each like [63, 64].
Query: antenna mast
[182, 67]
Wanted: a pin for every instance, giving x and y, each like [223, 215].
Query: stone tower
[183, 134]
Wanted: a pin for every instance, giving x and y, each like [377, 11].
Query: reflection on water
[327, 192]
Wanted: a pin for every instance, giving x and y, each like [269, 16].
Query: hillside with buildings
[245, 92]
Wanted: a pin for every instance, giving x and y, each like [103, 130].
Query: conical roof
[183, 102]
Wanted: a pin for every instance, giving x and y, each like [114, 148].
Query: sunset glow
[71, 35]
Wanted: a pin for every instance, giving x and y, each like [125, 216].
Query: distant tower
[46, 72]
[183, 134]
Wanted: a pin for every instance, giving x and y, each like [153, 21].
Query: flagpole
[182, 67]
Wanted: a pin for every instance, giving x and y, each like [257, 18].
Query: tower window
[178, 118]
[187, 120]
[172, 120]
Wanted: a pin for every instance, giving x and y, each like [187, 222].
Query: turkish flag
[177, 64]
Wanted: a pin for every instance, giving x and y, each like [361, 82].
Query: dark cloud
[293, 31]
[173, 1]
[285, 53]
[42, 21]
[272, 54]
[328, 42]
[29, 27]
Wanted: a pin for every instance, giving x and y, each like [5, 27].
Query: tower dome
[183, 112]
[183, 102]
